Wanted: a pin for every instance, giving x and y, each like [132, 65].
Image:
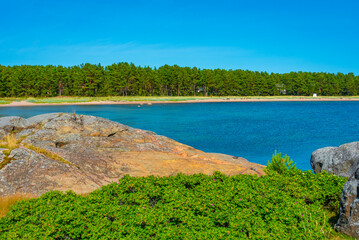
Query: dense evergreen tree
[124, 79]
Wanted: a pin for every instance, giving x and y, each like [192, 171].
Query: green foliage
[278, 206]
[126, 79]
[280, 164]
[4, 102]
[59, 100]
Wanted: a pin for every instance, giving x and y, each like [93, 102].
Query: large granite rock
[348, 221]
[61, 151]
[341, 161]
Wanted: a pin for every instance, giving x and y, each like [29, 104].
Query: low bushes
[290, 205]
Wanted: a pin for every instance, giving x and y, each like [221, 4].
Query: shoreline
[150, 102]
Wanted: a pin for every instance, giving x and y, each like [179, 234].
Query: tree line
[126, 79]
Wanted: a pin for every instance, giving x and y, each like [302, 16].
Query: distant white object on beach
[314, 95]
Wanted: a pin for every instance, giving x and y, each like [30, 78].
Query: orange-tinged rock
[81, 153]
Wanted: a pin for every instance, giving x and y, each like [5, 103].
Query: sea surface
[250, 130]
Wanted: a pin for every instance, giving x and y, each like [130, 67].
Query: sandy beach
[30, 104]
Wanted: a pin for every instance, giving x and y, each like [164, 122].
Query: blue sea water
[252, 130]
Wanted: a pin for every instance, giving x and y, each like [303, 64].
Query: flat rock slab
[61, 151]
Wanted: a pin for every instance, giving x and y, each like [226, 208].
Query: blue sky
[272, 36]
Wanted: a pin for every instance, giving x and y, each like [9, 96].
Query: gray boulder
[40, 119]
[341, 161]
[10, 124]
[348, 222]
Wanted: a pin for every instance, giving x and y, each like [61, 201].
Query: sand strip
[29, 104]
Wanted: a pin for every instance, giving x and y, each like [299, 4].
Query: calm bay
[252, 130]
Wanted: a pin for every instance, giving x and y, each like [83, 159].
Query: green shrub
[277, 206]
[280, 164]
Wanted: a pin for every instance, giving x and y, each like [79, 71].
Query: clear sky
[262, 35]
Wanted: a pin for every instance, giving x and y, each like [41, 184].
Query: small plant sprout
[280, 164]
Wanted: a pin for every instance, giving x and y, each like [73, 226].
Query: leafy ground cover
[57, 100]
[4, 101]
[60, 100]
[291, 205]
[7, 100]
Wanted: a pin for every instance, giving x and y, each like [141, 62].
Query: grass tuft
[49, 154]
[5, 161]
[10, 142]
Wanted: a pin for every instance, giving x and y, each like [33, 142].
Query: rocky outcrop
[341, 161]
[81, 153]
[348, 222]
